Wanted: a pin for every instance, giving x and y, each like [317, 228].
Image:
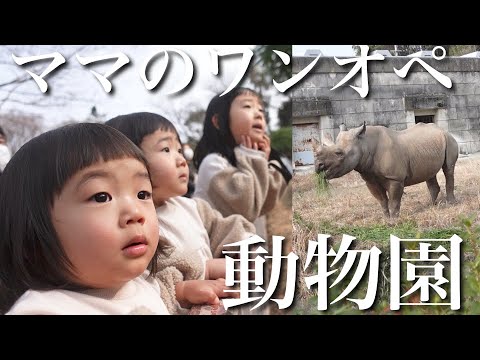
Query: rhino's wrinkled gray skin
[389, 160]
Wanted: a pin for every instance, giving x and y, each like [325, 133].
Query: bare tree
[20, 128]
[189, 118]
[17, 86]
[190, 115]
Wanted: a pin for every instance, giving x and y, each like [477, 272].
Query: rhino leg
[380, 194]
[450, 182]
[434, 188]
[395, 192]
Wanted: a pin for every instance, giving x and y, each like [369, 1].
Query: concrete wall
[392, 101]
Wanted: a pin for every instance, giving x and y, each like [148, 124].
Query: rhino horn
[327, 141]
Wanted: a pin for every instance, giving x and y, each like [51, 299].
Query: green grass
[321, 183]
[406, 230]
[297, 218]
[467, 230]
[380, 232]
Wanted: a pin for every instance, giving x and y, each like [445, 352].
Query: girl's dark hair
[221, 140]
[31, 255]
[138, 125]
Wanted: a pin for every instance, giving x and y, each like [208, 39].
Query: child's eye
[166, 149]
[101, 197]
[144, 195]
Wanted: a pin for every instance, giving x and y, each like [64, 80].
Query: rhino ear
[343, 127]
[360, 130]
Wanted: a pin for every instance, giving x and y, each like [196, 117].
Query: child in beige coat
[190, 225]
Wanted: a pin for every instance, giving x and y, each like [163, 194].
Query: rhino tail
[451, 151]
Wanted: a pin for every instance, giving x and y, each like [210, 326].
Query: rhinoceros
[389, 160]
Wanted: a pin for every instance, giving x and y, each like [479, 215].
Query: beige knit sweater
[192, 224]
[175, 264]
[250, 189]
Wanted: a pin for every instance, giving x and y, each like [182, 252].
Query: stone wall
[391, 101]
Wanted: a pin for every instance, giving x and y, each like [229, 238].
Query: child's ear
[215, 121]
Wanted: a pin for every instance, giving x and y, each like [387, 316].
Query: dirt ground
[349, 203]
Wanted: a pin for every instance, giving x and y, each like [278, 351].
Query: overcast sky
[129, 93]
[327, 50]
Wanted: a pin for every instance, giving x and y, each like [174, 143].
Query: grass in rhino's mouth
[321, 182]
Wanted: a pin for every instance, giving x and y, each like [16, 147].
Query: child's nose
[259, 113]
[132, 214]
[181, 160]
[136, 217]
